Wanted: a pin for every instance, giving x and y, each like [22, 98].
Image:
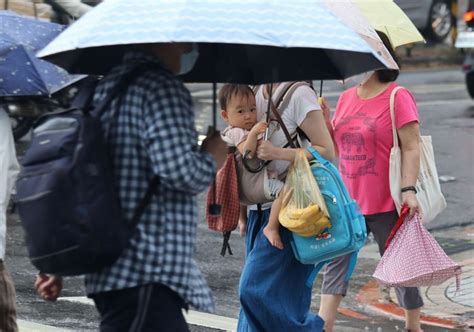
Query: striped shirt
[154, 134]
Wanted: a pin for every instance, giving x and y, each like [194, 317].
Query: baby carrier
[254, 184]
[246, 181]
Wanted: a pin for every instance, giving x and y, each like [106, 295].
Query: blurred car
[432, 17]
[465, 41]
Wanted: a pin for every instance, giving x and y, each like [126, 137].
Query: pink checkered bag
[414, 258]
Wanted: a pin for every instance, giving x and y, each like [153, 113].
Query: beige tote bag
[429, 195]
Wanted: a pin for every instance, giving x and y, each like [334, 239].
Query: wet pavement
[446, 112]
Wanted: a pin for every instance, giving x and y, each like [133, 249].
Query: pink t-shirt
[363, 134]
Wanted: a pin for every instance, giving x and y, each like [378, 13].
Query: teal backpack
[347, 233]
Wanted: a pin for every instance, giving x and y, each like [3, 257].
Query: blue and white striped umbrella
[21, 73]
[239, 41]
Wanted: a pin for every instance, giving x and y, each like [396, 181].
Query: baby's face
[241, 112]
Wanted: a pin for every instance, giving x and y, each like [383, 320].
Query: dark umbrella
[252, 43]
[21, 72]
[259, 42]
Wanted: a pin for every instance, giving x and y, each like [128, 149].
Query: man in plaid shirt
[153, 134]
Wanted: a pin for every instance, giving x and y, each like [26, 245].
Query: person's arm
[327, 118]
[170, 138]
[315, 128]
[242, 220]
[409, 136]
[250, 143]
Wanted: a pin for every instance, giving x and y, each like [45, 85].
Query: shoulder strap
[282, 124]
[282, 102]
[352, 265]
[137, 214]
[392, 115]
[123, 83]
[285, 97]
[254, 88]
[86, 92]
[314, 273]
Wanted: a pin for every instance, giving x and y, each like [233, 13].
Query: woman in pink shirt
[361, 129]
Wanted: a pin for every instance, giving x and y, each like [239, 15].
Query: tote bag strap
[392, 115]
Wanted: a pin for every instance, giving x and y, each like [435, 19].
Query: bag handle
[401, 219]
[316, 155]
[279, 106]
[392, 115]
[282, 125]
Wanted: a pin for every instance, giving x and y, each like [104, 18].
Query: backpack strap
[84, 97]
[352, 265]
[121, 86]
[314, 273]
[124, 81]
[282, 103]
[137, 214]
[282, 125]
[285, 96]
[317, 268]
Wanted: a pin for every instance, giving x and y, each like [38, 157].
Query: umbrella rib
[42, 86]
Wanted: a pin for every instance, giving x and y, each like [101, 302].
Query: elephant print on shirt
[355, 132]
[353, 139]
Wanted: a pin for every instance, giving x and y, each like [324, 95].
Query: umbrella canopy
[21, 73]
[252, 42]
[385, 16]
[351, 15]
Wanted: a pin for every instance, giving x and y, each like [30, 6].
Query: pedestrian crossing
[192, 317]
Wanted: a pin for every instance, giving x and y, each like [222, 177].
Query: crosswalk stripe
[192, 317]
[25, 326]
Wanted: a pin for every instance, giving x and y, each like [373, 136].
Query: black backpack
[65, 193]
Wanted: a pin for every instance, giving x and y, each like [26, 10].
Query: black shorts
[380, 225]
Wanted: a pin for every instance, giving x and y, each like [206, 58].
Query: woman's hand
[326, 110]
[409, 199]
[267, 151]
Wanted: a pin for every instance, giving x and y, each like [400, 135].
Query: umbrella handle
[214, 209]
[249, 168]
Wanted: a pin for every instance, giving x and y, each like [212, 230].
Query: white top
[9, 169]
[303, 101]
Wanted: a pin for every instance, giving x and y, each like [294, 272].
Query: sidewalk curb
[369, 297]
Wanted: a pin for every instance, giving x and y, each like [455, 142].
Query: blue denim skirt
[273, 291]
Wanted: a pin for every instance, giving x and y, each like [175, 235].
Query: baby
[238, 109]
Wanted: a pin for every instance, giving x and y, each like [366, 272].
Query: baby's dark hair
[231, 90]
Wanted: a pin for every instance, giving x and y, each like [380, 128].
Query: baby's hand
[259, 128]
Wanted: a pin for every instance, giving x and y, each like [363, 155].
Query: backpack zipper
[34, 197]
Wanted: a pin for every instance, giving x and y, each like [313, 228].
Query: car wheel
[440, 20]
[470, 83]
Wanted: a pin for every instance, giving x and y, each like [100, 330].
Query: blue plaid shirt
[154, 133]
